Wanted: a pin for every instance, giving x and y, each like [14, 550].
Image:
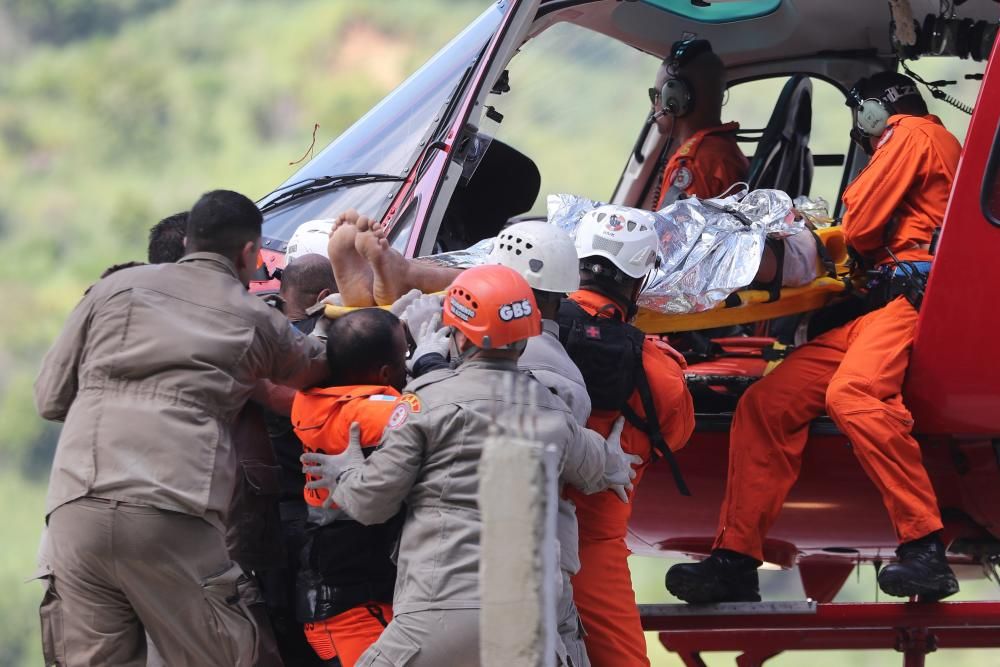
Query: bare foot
[352, 272]
[364, 223]
[388, 266]
[395, 275]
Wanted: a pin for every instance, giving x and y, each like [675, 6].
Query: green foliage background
[116, 113]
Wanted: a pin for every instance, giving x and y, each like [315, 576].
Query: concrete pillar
[518, 486]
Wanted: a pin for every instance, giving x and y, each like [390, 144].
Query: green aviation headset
[677, 93]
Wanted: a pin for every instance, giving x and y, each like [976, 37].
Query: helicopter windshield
[386, 140]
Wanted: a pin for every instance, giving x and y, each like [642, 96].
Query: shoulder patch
[686, 148]
[683, 178]
[411, 402]
[398, 416]
[406, 405]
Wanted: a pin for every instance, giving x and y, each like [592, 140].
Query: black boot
[725, 576]
[922, 570]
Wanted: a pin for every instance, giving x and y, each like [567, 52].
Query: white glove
[326, 469]
[400, 305]
[633, 461]
[618, 471]
[433, 339]
[420, 311]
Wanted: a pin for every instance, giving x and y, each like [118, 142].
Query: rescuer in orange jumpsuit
[687, 107]
[610, 281]
[855, 372]
[344, 591]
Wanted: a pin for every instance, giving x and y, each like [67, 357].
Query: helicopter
[424, 159]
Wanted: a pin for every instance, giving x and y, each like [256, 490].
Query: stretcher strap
[824, 255]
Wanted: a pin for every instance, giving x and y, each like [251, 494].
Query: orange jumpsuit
[322, 420]
[706, 164]
[855, 372]
[602, 589]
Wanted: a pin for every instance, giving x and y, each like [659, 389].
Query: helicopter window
[829, 138]
[386, 140]
[576, 98]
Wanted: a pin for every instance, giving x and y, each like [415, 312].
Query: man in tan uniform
[429, 458]
[148, 374]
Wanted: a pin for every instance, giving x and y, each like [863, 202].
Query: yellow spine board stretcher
[753, 307]
[333, 312]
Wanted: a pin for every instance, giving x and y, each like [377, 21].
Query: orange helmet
[493, 306]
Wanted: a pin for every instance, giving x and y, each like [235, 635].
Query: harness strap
[376, 612]
[570, 310]
[652, 428]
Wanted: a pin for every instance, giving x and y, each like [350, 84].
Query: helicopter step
[762, 630]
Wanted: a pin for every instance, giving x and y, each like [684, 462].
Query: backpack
[608, 352]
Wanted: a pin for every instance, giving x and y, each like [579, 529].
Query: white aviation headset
[873, 112]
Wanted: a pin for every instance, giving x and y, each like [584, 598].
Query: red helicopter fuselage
[953, 388]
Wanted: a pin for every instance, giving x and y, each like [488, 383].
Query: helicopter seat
[782, 160]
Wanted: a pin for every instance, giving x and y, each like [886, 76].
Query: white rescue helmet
[542, 253]
[626, 236]
[310, 238]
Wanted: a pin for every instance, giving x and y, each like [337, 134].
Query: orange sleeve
[701, 181]
[718, 164]
[873, 197]
[696, 172]
[717, 182]
[670, 173]
[729, 170]
[674, 406]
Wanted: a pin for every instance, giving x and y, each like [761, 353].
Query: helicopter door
[460, 135]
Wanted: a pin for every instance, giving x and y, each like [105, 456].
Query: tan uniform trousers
[573, 651]
[118, 569]
[432, 638]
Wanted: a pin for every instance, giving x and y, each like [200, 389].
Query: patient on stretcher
[370, 272]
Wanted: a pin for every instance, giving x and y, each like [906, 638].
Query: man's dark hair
[359, 343]
[115, 268]
[599, 274]
[547, 299]
[602, 272]
[876, 86]
[222, 221]
[166, 239]
[309, 275]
